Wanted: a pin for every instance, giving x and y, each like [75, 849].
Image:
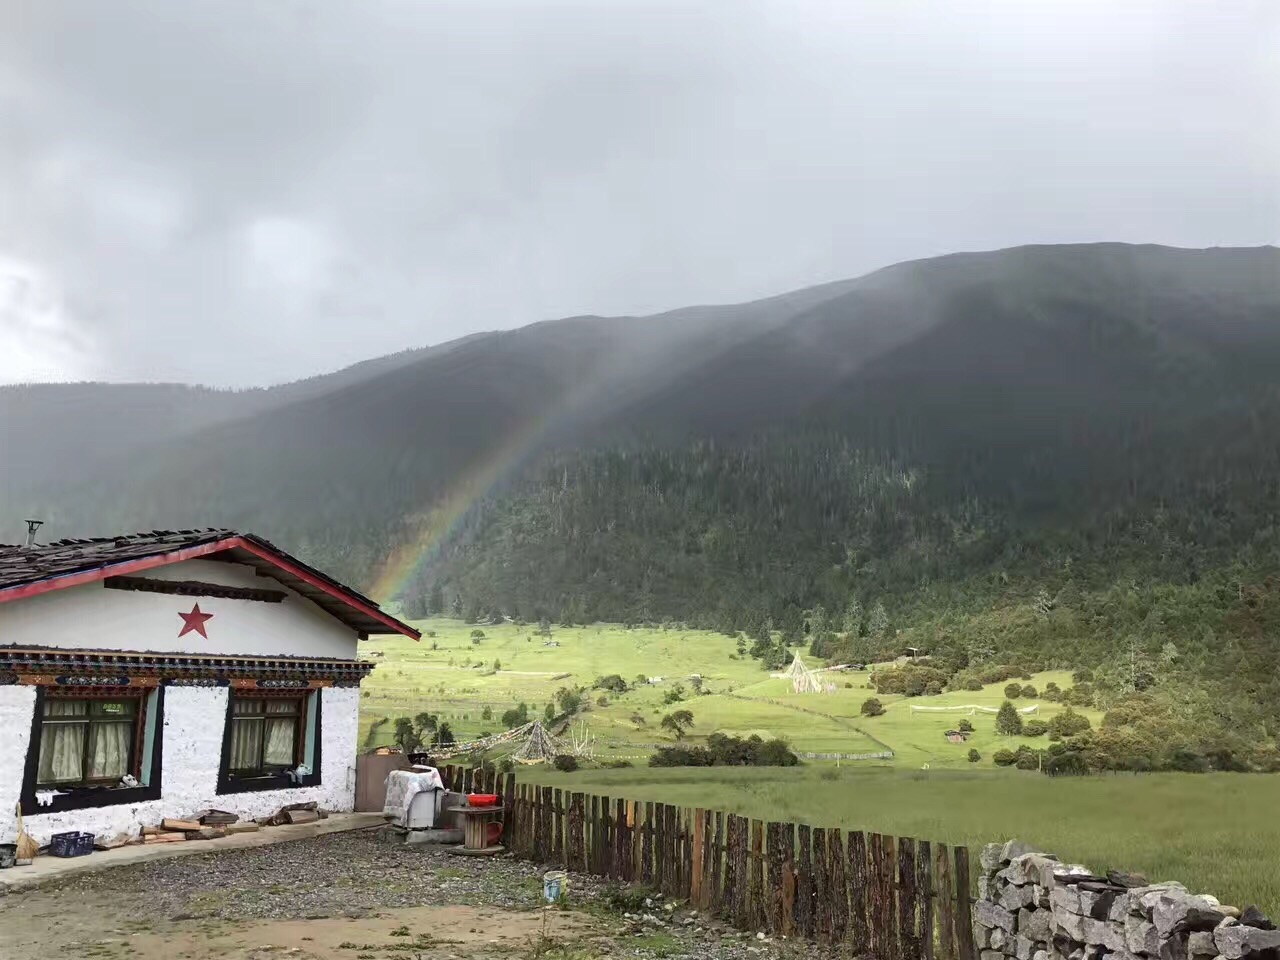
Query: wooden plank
[946, 902]
[925, 891]
[557, 828]
[677, 853]
[736, 867]
[821, 881]
[709, 853]
[908, 936]
[593, 834]
[889, 876]
[182, 826]
[875, 897]
[466, 780]
[523, 836]
[773, 876]
[698, 852]
[963, 915]
[717, 867]
[757, 909]
[839, 887]
[646, 844]
[682, 845]
[547, 818]
[623, 834]
[658, 813]
[573, 842]
[165, 838]
[788, 877]
[805, 921]
[606, 837]
[859, 934]
[633, 832]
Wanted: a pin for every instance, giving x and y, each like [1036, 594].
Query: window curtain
[109, 750]
[280, 734]
[246, 736]
[62, 744]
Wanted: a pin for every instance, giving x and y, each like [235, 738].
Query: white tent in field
[803, 680]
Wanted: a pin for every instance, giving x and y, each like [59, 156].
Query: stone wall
[1032, 907]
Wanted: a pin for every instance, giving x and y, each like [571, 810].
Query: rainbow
[402, 566]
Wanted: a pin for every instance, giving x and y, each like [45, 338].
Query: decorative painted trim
[226, 784]
[195, 682]
[88, 799]
[8, 679]
[48, 667]
[194, 588]
[89, 680]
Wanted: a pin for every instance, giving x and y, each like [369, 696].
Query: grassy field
[451, 676]
[1208, 831]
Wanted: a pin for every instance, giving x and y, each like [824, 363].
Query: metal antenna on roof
[32, 527]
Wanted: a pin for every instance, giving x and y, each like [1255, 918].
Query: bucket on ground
[554, 883]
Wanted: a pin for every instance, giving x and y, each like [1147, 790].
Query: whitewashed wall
[91, 617]
[193, 726]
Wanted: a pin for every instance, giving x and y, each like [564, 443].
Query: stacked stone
[1032, 907]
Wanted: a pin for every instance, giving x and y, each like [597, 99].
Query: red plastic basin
[482, 799]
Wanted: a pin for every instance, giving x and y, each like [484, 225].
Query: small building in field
[159, 674]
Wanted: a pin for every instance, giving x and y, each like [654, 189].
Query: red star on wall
[195, 620]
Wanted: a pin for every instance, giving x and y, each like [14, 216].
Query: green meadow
[1214, 832]
[450, 675]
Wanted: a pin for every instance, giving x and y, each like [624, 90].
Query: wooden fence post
[859, 936]
[557, 828]
[788, 917]
[925, 890]
[839, 887]
[635, 836]
[875, 898]
[889, 878]
[606, 837]
[963, 915]
[699, 852]
[820, 886]
[646, 844]
[947, 949]
[908, 939]
[621, 842]
[757, 908]
[658, 818]
[717, 866]
[804, 882]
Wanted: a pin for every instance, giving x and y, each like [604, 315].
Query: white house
[158, 674]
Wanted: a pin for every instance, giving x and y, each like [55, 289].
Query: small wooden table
[475, 831]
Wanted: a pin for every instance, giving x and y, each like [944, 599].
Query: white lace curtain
[260, 741]
[74, 749]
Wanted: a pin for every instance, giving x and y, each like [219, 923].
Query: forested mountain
[1050, 455]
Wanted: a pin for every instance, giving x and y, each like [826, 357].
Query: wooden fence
[891, 898]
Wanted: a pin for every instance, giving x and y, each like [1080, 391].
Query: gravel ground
[356, 875]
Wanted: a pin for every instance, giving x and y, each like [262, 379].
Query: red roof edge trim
[63, 581]
[321, 583]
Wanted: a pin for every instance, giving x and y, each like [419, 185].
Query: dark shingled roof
[21, 566]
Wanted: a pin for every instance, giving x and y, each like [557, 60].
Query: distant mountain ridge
[968, 358]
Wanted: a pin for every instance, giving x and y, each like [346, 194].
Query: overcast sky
[246, 192]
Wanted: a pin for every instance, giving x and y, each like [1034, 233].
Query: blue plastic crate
[71, 844]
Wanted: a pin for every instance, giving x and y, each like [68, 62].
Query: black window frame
[86, 797]
[137, 725]
[230, 782]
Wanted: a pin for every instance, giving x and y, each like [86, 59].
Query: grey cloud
[244, 192]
